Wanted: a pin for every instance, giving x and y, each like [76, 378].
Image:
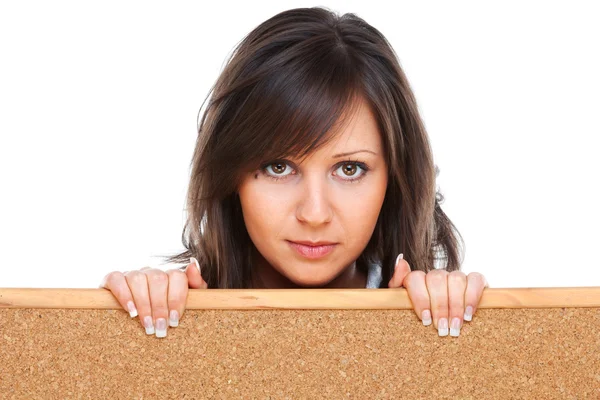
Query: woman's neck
[264, 276]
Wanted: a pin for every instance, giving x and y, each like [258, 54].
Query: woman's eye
[278, 169]
[350, 170]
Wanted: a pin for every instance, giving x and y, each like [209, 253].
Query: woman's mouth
[312, 252]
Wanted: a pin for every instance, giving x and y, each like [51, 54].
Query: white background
[98, 108]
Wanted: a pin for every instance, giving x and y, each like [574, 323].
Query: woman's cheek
[362, 209]
[262, 208]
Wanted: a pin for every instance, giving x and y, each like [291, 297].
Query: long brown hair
[286, 90]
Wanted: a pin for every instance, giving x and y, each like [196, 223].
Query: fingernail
[192, 259]
[400, 257]
[455, 327]
[131, 308]
[149, 326]
[443, 327]
[468, 313]
[426, 317]
[174, 318]
[161, 327]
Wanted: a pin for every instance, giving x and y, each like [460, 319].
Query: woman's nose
[314, 207]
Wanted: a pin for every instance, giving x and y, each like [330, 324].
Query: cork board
[300, 344]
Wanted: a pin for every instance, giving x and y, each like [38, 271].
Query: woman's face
[329, 197]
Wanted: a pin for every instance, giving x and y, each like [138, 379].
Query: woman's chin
[309, 281]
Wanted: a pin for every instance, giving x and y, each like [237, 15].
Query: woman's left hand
[441, 293]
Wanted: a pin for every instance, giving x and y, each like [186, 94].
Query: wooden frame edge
[260, 299]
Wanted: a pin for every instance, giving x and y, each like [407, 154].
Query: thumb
[402, 268]
[195, 280]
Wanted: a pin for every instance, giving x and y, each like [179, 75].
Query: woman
[312, 168]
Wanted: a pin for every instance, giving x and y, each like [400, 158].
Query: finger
[457, 285]
[194, 276]
[419, 296]
[437, 286]
[158, 285]
[476, 283]
[177, 295]
[401, 269]
[116, 283]
[138, 284]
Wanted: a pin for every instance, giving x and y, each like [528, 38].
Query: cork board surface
[545, 353]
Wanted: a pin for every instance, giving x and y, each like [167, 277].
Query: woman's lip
[312, 252]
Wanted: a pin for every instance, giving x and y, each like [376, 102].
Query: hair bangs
[305, 104]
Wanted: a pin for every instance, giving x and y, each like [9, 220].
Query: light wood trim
[247, 299]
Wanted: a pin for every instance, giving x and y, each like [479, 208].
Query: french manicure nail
[468, 314]
[161, 327]
[149, 325]
[131, 308]
[443, 327]
[400, 257]
[455, 327]
[426, 317]
[193, 260]
[174, 318]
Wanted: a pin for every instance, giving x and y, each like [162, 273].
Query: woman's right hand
[158, 296]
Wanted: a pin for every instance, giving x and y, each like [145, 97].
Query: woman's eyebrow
[353, 152]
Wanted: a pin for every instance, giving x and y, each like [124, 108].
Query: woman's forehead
[359, 131]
